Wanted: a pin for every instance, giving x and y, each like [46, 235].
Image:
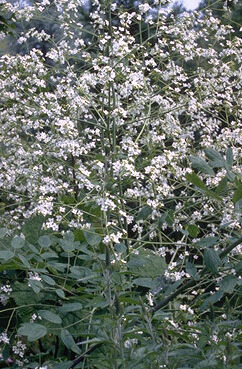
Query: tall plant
[121, 171]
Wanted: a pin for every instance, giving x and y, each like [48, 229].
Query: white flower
[34, 276]
[5, 294]
[112, 237]
[4, 338]
[144, 8]
[128, 343]
[150, 299]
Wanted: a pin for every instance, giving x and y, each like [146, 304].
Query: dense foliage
[121, 189]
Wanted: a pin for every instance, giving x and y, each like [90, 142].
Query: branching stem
[192, 282]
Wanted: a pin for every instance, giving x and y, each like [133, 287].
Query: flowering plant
[121, 178]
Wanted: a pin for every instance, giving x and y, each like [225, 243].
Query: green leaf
[212, 299]
[69, 342]
[66, 308]
[238, 268]
[33, 331]
[24, 261]
[32, 228]
[196, 181]
[228, 283]
[229, 157]
[35, 285]
[44, 241]
[238, 206]
[213, 154]
[237, 193]
[193, 230]
[167, 217]
[63, 365]
[69, 236]
[3, 232]
[82, 273]
[34, 249]
[79, 271]
[145, 282]
[230, 175]
[120, 247]
[192, 270]
[208, 363]
[11, 265]
[60, 293]
[207, 241]
[212, 260]
[201, 164]
[93, 239]
[49, 255]
[67, 245]
[50, 316]
[23, 295]
[17, 242]
[217, 163]
[221, 189]
[48, 280]
[6, 254]
[144, 213]
[146, 264]
[98, 301]
[61, 267]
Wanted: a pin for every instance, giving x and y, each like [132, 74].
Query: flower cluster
[5, 292]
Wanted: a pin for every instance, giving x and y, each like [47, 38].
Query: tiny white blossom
[144, 8]
[4, 338]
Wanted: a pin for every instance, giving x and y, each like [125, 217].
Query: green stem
[192, 282]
